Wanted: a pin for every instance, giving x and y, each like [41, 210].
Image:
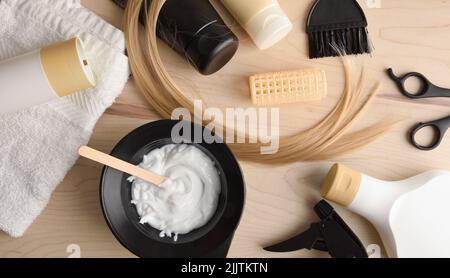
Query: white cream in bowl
[187, 200]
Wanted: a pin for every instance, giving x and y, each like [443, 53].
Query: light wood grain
[409, 35]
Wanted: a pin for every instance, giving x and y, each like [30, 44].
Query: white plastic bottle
[264, 20]
[411, 216]
[43, 75]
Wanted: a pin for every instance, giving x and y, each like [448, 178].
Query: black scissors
[427, 90]
[330, 235]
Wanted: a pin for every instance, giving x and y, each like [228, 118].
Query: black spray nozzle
[331, 235]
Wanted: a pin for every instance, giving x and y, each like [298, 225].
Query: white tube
[43, 75]
[264, 20]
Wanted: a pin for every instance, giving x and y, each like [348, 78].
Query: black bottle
[195, 30]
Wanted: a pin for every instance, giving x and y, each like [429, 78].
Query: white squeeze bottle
[411, 216]
[43, 75]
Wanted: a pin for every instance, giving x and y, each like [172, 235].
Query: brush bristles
[347, 41]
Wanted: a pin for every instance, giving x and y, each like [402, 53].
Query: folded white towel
[38, 146]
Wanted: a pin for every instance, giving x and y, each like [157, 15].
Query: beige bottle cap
[67, 67]
[341, 185]
[269, 27]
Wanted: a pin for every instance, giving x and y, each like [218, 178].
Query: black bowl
[211, 240]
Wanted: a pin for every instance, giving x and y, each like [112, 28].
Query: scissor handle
[440, 128]
[427, 89]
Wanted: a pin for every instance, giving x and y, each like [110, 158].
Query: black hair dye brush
[337, 27]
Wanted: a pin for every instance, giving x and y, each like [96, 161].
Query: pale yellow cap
[341, 185]
[67, 67]
[269, 27]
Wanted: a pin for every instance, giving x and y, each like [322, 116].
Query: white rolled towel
[38, 146]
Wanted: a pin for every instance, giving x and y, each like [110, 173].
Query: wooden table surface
[409, 35]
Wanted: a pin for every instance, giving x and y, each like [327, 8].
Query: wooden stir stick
[121, 165]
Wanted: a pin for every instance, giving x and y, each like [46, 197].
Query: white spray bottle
[411, 216]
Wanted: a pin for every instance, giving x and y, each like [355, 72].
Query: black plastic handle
[440, 128]
[427, 89]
